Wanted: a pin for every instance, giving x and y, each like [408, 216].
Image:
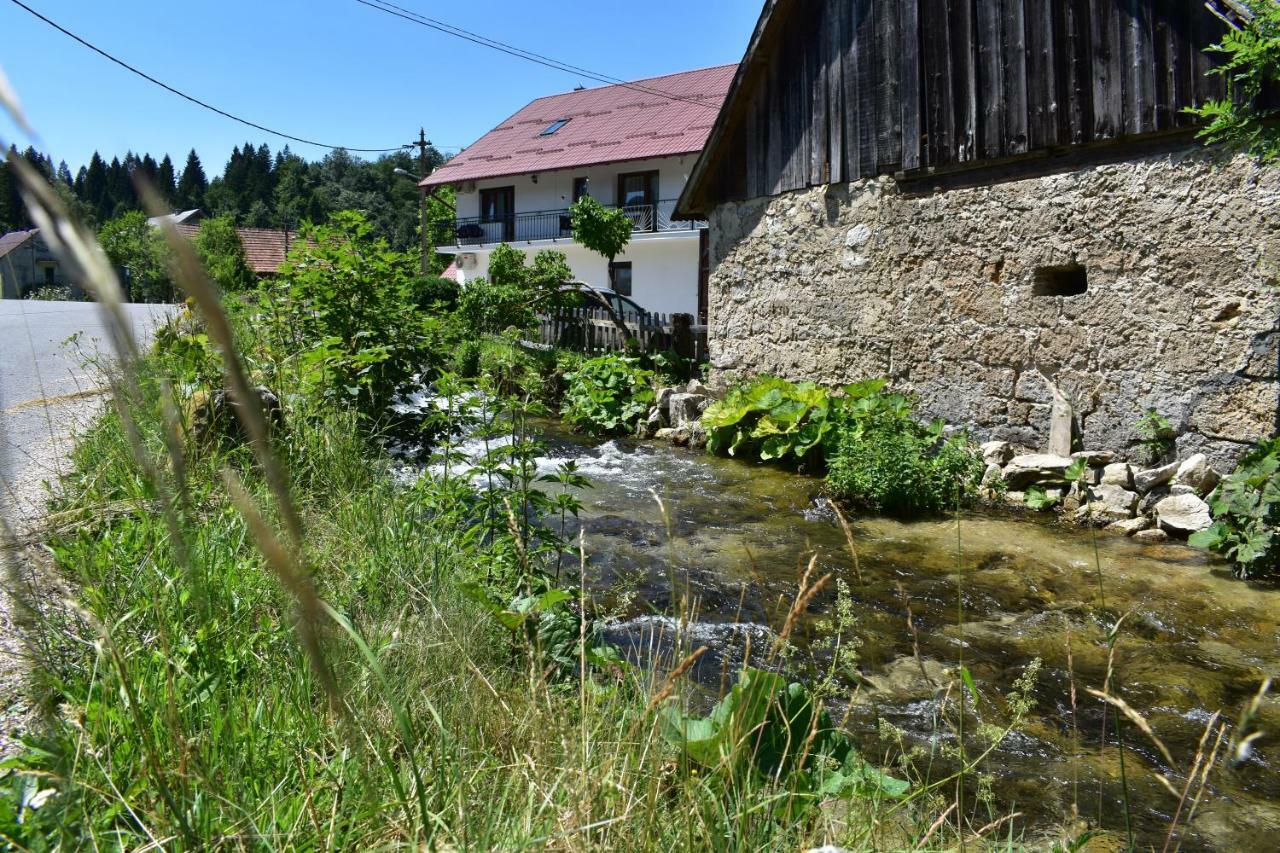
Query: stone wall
[939, 292]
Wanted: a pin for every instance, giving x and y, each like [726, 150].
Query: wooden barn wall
[847, 89]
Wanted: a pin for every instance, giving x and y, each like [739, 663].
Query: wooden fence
[592, 331]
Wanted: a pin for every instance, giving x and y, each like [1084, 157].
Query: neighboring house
[26, 264]
[629, 146]
[990, 205]
[265, 249]
[185, 217]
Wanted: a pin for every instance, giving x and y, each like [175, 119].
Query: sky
[334, 71]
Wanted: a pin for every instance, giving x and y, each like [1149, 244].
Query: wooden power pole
[422, 143]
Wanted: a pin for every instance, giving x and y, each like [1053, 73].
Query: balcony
[553, 225]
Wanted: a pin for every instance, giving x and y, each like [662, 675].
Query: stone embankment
[677, 415]
[1148, 503]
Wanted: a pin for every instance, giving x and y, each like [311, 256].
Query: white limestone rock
[996, 452]
[1183, 514]
[1032, 468]
[1146, 480]
[1111, 503]
[1117, 474]
[1197, 474]
[1130, 526]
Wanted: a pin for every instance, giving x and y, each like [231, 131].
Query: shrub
[139, 249]
[488, 307]
[881, 458]
[466, 362]
[608, 395]
[432, 293]
[344, 298]
[222, 254]
[1246, 509]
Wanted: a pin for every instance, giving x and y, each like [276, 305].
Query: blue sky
[331, 70]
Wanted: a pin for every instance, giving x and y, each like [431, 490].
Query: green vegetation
[1155, 436]
[608, 395]
[1246, 509]
[603, 230]
[139, 250]
[878, 455]
[222, 255]
[1250, 53]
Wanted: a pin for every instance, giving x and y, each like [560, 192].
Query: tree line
[257, 189]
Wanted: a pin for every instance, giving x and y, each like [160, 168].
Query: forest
[257, 189]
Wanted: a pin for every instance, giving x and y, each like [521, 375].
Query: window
[554, 126]
[498, 205]
[620, 277]
[1068, 280]
[49, 271]
[638, 196]
[581, 188]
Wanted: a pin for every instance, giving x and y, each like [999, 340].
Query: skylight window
[554, 126]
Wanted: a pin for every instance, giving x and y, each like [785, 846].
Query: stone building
[27, 265]
[1005, 202]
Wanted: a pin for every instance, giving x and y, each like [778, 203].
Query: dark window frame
[614, 268]
[650, 178]
[581, 188]
[507, 217]
[555, 127]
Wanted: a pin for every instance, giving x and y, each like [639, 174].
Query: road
[49, 391]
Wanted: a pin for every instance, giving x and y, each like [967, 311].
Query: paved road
[47, 391]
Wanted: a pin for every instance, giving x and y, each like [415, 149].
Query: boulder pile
[1148, 503]
[677, 415]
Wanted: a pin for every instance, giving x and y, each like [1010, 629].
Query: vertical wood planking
[1076, 120]
[1108, 77]
[864, 82]
[909, 83]
[888, 111]
[852, 94]
[833, 18]
[1016, 134]
[773, 163]
[1041, 48]
[990, 79]
[964, 70]
[1139, 67]
[939, 97]
[816, 63]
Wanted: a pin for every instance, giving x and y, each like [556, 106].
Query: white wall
[664, 269]
[554, 190]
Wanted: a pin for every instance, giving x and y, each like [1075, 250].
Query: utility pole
[422, 144]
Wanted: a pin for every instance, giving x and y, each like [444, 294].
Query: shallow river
[1193, 641]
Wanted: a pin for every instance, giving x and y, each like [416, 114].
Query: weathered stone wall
[936, 292]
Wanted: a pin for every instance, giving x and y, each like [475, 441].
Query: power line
[520, 53]
[191, 98]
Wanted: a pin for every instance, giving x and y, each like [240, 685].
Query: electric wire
[196, 100]
[520, 53]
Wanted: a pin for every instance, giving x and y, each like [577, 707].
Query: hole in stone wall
[1069, 280]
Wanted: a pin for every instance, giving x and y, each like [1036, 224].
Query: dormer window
[554, 126]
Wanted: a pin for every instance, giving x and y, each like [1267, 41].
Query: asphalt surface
[50, 387]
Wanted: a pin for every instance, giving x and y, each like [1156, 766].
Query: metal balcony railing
[550, 225]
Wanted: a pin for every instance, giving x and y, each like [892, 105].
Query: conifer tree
[193, 184]
[165, 182]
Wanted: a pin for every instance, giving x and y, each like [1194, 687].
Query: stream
[994, 590]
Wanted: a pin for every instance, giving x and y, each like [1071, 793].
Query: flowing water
[995, 591]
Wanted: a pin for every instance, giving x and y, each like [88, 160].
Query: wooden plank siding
[838, 90]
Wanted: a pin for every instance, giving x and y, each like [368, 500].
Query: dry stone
[1183, 514]
[1130, 526]
[1032, 468]
[1146, 480]
[1117, 474]
[1111, 503]
[1095, 458]
[1197, 474]
[1153, 535]
[686, 409]
[997, 452]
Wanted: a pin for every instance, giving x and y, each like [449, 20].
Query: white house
[632, 146]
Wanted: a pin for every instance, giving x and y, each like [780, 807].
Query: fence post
[682, 334]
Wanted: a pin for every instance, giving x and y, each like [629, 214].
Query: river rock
[686, 409]
[695, 386]
[992, 475]
[1183, 514]
[1032, 468]
[1179, 489]
[653, 423]
[1148, 503]
[997, 452]
[1197, 474]
[1130, 526]
[1152, 535]
[1111, 503]
[663, 399]
[1117, 474]
[665, 434]
[1146, 480]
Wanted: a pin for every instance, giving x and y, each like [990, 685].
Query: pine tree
[13, 215]
[165, 182]
[64, 173]
[96, 191]
[193, 184]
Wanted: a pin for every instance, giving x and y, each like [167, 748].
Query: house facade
[631, 146]
[26, 265]
[992, 207]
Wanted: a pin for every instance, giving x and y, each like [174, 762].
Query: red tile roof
[450, 272]
[608, 124]
[264, 248]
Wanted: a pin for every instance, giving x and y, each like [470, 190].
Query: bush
[139, 249]
[1246, 509]
[882, 459]
[222, 254]
[343, 303]
[608, 395]
[432, 293]
[489, 308]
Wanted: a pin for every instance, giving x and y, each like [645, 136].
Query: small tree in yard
[222, 254]
[605, 231]
[132, 244]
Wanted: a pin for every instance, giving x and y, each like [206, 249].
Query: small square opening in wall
[1068, 280]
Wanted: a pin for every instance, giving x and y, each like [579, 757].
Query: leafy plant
[435, 294]
[1246, 509]
[605, 231]
[137, 248]
[1038, 499]
[608, 395]
[1251, 65]
[770, 730]
[222, 254]
[1155, 435]
[771, 418]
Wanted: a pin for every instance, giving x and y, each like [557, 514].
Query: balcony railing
[550, 225]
